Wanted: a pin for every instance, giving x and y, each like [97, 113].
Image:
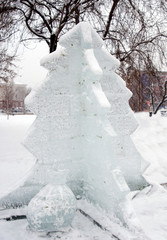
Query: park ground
[150, 205]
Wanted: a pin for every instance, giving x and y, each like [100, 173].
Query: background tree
[134, 31]
[7, 72]
[7, 55]
[7, 31]
[163, 100]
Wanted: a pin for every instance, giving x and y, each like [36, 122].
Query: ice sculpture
[83, 124]
[53, 207]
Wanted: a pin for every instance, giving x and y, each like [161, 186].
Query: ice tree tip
[82, 35]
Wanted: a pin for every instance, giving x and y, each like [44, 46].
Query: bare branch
[164, 98]
[115, 2]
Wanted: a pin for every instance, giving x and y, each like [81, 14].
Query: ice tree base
[89, 223]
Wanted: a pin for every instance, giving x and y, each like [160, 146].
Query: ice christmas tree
[83, 125]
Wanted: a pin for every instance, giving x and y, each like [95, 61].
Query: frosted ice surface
[52, 208]
[81, 36]
[84, 121]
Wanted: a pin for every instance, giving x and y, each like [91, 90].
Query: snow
[154, 133]
[15, 160]
[150, 204]
[151, 210]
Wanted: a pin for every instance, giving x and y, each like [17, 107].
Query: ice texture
[84, 123]
[52, 208]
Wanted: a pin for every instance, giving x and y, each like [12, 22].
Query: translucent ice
[84, 122]
[52, 208]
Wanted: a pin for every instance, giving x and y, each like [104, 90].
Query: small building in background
[12, 96]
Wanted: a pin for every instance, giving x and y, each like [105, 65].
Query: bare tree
[7, 55]
[7, 72]
[48, 20]
[9, 93]
[128, 25]
[164, 98]
[134, 30]
[7, 30]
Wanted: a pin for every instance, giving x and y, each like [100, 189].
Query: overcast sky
[29, 69]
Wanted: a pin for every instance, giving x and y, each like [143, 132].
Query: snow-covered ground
[150, 204]
[151, 141]
[15, 160]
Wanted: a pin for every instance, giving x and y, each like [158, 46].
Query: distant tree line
[134, 31]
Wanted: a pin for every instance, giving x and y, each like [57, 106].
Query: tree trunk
[53, 43]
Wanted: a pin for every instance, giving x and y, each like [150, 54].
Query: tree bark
[53, 43]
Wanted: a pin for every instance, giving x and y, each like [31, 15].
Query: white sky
[29, 69]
